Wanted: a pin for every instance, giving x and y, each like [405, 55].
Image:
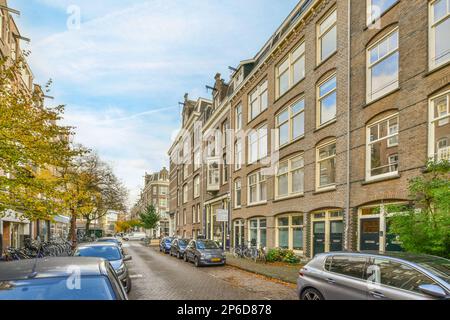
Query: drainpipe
[347, 197]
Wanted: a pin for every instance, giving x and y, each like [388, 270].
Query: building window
[326, 166]
[213, 174]
[290, 232]
[225, 132]
[194, 215]
[163, 203]
[197, 159]
[257, 188]
[155, 191]
[185, 193]
[291, 123]
[290, 177]
[375, 8]
[439, 32]
[225, 169]
[327, 36]
[186, 147]
[258, 232]
[258, 100]
[197, 134]
[184, 217]
[198, 214]
[238, 154]
[238, 117]
[291, 70]
[327, 101]
[185, 171]
[196, 187]
[382, 148]
[382, 66]
[439, 136]
[257, 142]
[237, 193]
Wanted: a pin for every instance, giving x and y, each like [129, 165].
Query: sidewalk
[281, 272]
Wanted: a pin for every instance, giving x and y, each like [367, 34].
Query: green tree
[424, 226]
[150, 218]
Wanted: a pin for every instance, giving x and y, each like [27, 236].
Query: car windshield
[169, 240]
[89, 288]
[110, 253]
[202, 245]
[183, 243]
[438, 266]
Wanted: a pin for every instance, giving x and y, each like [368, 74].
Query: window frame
[259, 181]
[373, 96]
[432, 35]
[185, 193]
[290, 180]
[238, 154]
[388, 137]
[318, 161]
[290, 122]
[321, 98]
[433, 153]
[320, 35]
[260, 138]
[236, 189]
[258, 230]
[259, 90]
[196, 183]
[291, 63]
[370, 18]
[290, 227]
[238, 117]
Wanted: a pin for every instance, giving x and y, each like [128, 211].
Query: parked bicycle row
[37, 249]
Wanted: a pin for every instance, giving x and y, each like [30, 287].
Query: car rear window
[348, 266]
[83, 288]
[110, 253]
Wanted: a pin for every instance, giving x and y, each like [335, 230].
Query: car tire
[178, 255]
[197, 262]
[311, 294]
[128, 285]
[185, 258]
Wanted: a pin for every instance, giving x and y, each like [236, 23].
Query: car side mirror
[433, 290]
[127, 258]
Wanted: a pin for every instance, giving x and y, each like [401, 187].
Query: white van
[135, 236]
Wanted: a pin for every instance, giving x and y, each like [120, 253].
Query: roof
[51, 268]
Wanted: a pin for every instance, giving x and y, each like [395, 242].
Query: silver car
[373, 276]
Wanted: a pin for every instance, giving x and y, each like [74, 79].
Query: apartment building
[329, 121]
[156, 193]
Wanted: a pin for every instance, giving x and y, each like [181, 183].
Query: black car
[60, 279]
[165, 244]
[204, 253]
[178, 247]
[113, 254]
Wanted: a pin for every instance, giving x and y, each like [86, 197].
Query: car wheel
[128, 285]
[311, 294]
[178, 255]
[197, 262]
[185, 258]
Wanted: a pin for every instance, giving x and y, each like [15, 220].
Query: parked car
[373, 276]
[135, 236]
[113, 254]
[204, 252]
[165, 244]
[48, 279]
[178, 247]
[111, 240]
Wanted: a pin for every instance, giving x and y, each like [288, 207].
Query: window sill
[382, 179]
[319, 64]
[436, 69]
[256, 204]
[294, 196]
[325, 125]
[325, 190]
[382, 97]
[237, 208]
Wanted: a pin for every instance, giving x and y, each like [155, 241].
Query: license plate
[216, 260]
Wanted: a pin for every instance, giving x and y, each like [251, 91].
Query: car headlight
[121, 269]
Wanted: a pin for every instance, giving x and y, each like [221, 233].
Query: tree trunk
[87, 226]
[73, 230]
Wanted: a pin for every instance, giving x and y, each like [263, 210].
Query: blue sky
[123, 72]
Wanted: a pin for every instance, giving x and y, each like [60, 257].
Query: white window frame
[290, 174]
[262, 137]
[433, 121]
[259, 181]
[196, 187]
[258, 231]
[320, 36]
[290, 121]
[197, 159]
[238, 117]
[198, 213]
[258, 92]
[237, 187]
[318, 161]
[369, 143]
[370, 17]
[290, 227]
[292, 60]
[432, 33]
[321, 98]
[225, 170]
[213, 186]
[185, 193]
[372, 96]
[238, 155]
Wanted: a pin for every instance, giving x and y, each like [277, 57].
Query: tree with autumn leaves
[42, 174]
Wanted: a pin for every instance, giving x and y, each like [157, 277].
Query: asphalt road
[156, 276]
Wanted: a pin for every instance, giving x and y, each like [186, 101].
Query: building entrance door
[370, 234]
[336, 235]
[318, 237]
